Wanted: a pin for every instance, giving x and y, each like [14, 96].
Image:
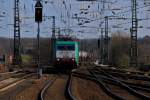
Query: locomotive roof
[67, 39]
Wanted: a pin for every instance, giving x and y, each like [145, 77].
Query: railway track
[130, 76]
[117, 90]
[11, 82]
[44, 89]
[142, 87]
[137, 84]
[4, 76]
[127, 73]
[134, 79]
[57, 88]
[122, 88]
[16, 74]
[7, 73]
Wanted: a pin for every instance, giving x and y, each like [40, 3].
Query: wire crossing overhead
[17, 51]
[133, 51]
[86, 0]
[104, 1]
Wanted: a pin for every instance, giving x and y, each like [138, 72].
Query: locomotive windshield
[65, 47]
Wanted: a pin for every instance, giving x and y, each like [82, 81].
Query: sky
[85, 19]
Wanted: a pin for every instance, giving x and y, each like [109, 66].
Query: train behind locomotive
[67, 53]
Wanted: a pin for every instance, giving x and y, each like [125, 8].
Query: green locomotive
[66, 53]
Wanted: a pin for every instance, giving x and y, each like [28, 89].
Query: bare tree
[119, 49]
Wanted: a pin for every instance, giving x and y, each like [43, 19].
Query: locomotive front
[66, 54]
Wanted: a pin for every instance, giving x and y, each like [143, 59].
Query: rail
[45, 87]
[68, 89]
[128, 88]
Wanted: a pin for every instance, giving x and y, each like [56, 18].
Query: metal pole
[133, 50]
[102, 46]
[17, 52]
[53, 39]
[38, 47]
[53, 27]
[38, 19]
[106, 42]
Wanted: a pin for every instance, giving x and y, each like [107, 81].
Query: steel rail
[105, 88]
[131, 90]
[45, 87]
[22, 78]
[68, 93]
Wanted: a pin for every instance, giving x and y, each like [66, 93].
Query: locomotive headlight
[58, 59]
[73, 59]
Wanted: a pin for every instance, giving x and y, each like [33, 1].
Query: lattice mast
[53, 39]
[106, 42]
[133, 50]
[102, 46]
[17, 47]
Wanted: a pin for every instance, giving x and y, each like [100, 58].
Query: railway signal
[38, 19]
[38, 12]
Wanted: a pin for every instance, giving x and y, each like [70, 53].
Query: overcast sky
[66, 11]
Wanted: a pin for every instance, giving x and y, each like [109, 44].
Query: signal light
[38, 11]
